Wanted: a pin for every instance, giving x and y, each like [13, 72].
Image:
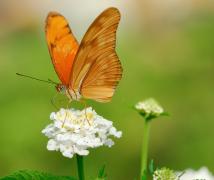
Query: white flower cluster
[74, 131]
[149, 106]
[201, 174]
[165, 174]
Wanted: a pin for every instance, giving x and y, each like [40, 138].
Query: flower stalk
[80, 167]
[149, 109]
[144, 155]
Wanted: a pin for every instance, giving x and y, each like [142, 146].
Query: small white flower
[74, 131]
[149, 107]
[201, 174]
[165, 174]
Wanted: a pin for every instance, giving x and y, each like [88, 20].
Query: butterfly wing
[62, 45]
[97, 70]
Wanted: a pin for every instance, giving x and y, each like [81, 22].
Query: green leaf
[165, 114]
[151, 167]
[101, 174]
[34, 175]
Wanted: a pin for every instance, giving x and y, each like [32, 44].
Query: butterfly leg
[81, 101]
[85, 107]
[67, 107]
[64, 119]
[53, 101]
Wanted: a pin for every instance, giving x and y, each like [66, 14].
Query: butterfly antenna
[52, 81]
[49, 81]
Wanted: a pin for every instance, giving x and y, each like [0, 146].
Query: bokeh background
[167, 52]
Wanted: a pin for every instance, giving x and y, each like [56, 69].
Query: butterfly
[91, 69]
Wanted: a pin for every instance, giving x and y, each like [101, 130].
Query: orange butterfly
[92, 69]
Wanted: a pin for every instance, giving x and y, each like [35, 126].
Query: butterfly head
[61, 88]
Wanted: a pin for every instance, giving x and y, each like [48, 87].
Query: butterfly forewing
[96, 70]
[62, 45]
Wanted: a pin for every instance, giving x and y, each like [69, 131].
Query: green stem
[145, 147]
[80, 167]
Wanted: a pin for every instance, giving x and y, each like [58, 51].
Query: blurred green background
[167, 52]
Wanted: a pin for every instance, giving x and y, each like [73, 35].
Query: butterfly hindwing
[96, 70]
[62, 45]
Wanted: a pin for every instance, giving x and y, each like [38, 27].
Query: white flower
[149, 107]
[74, 131]
[201, 174]
[165, 174]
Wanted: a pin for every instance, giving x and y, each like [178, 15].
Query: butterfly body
[70, 93]
[91, 69]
